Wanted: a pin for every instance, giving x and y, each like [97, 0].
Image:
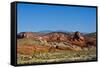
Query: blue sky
[34, 18]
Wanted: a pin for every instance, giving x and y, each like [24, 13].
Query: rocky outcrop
[90, 41]
[27, 35]
[61, 37]
[61, 40]
[56, 37]
[77, 39]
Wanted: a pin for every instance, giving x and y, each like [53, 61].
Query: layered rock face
[56, 37]
[61, 39]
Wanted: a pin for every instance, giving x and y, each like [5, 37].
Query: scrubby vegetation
[34, 50]
[58, 56]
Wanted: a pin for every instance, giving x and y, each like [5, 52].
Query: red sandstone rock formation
[56, 37]
[77, 39]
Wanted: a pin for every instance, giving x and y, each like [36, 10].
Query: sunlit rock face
[56, 37]
[78, 39]
[60, 39]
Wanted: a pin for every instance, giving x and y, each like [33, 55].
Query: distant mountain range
[48, 31]
[91, 34]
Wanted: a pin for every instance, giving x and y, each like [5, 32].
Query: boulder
[78, 39]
